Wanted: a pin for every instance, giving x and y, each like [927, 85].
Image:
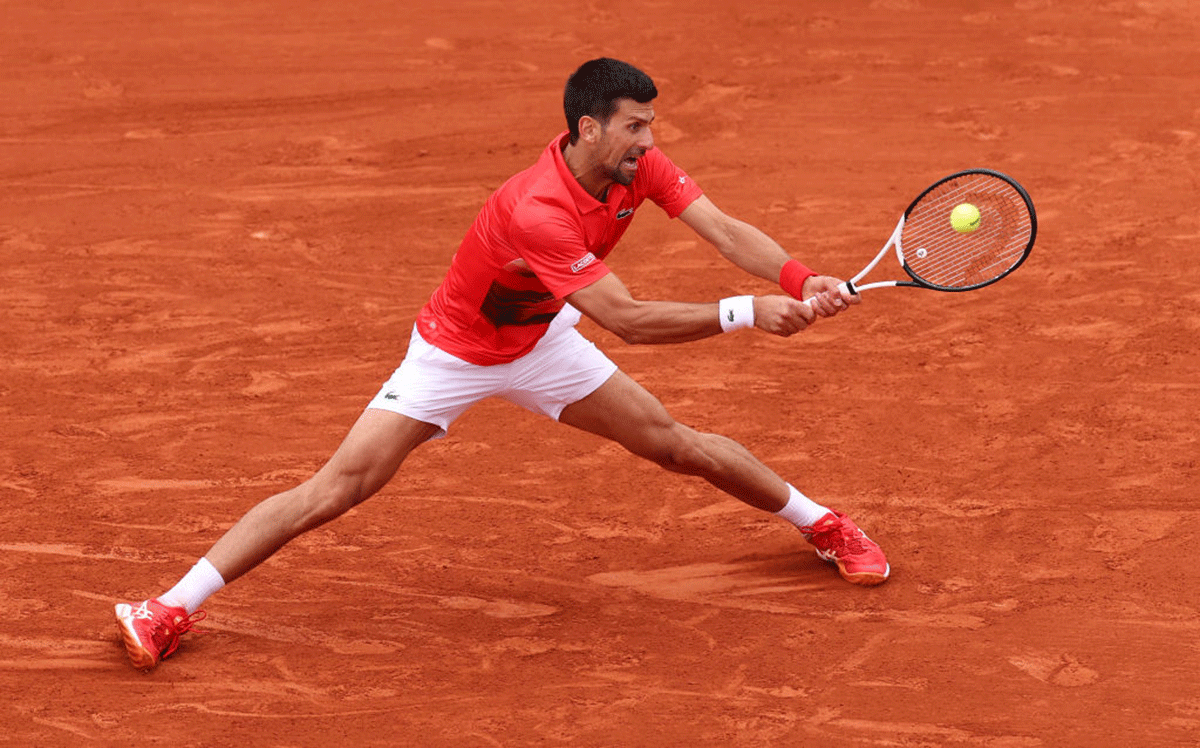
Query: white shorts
[434, 387]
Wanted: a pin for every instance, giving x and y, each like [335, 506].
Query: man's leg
[367, 459]
[625, 412]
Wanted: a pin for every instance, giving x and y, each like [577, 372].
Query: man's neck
[585, 171]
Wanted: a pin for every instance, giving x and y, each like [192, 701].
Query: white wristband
[737, 312]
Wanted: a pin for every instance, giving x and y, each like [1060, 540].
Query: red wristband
[792, 277]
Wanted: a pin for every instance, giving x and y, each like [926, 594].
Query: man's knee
[325, 497]
[683, 450]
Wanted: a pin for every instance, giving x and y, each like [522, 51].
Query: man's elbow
[629, 332]
[627, 327]
[634, 336]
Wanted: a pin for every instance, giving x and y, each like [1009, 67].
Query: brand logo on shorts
[625, 213]
[391, 396]
[583, 262]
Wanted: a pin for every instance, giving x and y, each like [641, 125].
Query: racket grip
[847, 286]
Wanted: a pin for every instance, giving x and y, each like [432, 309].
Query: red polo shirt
[537, 239]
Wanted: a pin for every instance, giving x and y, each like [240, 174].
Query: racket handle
[847, 286]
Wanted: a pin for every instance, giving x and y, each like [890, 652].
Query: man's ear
[589, 129]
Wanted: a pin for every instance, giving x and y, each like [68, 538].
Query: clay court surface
[218, 221]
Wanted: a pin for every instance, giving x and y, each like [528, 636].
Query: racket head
[935, 255]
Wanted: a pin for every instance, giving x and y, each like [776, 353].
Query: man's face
[625, 139]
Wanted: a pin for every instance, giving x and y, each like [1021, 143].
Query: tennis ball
[965, 218]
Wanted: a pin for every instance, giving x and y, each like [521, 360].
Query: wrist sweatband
[737, 312]
[792, 277]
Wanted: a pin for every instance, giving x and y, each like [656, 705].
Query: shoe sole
[142, 658]
[861, 578]
[865, 578]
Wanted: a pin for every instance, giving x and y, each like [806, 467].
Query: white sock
[800, 510]
[196, 586]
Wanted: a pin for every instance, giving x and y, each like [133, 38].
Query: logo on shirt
[624, 213]
[583, 262]
[682, 180]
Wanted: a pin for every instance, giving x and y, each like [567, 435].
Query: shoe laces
[167, 629]
[841, 536]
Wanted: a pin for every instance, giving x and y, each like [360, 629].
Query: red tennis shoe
[839, 541]
[151, 630]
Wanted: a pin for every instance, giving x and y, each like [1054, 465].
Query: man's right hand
[782, 315]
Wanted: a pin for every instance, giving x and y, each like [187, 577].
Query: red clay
[217, 222]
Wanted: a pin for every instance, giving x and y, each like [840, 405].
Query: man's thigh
[434, 387]
[624, 411]
[564, 368]
[374, 448]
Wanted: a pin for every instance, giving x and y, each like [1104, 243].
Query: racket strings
[937, 254]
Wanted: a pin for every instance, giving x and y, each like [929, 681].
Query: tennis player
[502, 324]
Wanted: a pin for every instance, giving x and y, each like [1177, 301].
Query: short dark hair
[594, 89]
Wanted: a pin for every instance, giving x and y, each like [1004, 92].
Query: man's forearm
[658, 322]
[752, 250]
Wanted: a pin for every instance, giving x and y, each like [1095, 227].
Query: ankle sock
[196, 586]
[800, 510]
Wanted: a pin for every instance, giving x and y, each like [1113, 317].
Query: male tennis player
[502, 323]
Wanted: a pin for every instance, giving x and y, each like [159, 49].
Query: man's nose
[646, 139]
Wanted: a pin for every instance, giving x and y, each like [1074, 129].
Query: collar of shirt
[583, 200]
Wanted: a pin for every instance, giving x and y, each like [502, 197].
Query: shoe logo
[143, 611]
[624, 213]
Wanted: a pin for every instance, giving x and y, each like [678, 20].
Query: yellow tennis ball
[965, 218]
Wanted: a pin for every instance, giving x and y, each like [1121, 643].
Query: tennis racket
[938, 256]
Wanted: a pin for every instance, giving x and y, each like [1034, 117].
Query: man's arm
[758, 254]
[609, 303]
[737, 241]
